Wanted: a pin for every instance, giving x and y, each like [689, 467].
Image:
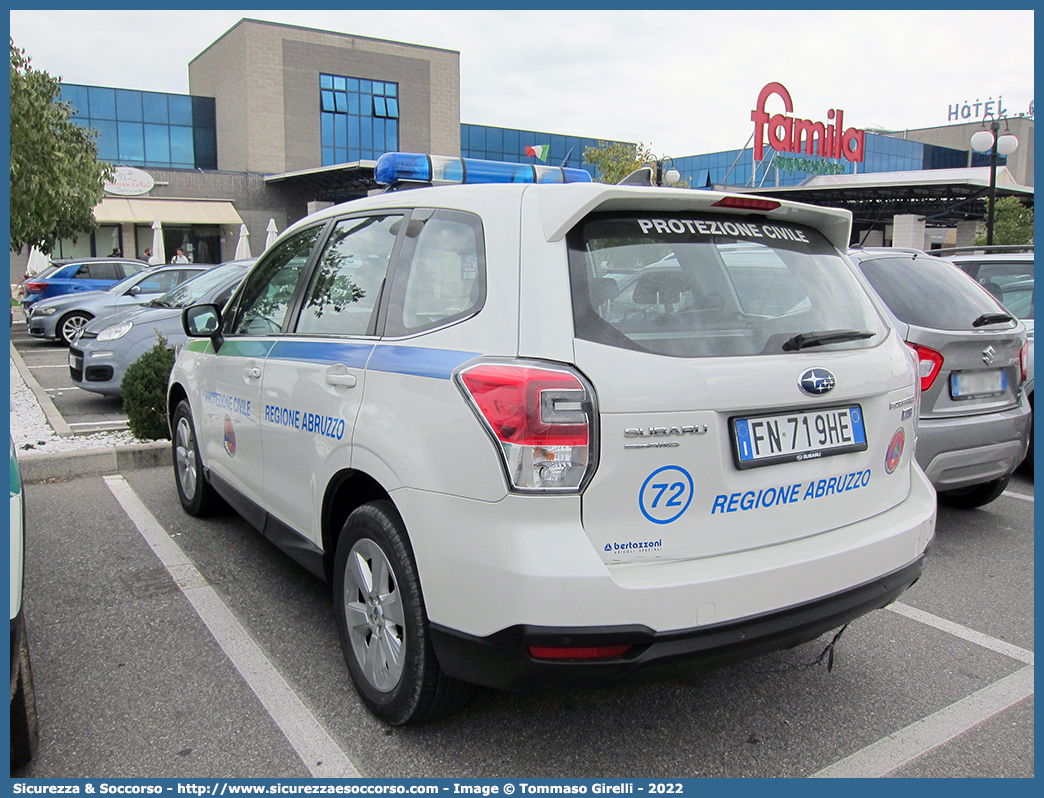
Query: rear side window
[929, 292]
[440, 276]
[713, 286]
[1012, 283]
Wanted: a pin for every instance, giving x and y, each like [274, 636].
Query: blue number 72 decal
[666, 494]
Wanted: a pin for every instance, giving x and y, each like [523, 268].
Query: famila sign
[788, 134]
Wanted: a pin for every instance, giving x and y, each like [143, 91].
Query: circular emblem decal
[666, 494]
[230, 437]
[816, 382]
[895, 451]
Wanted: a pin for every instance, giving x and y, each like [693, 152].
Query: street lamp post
[672, 176]
[987, 140]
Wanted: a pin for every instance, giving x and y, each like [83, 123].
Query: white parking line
[900, 749]
[317, 750]
[1022, 496]
[963, 632]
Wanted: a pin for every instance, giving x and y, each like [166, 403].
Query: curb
[89, 462]
[54, 418]
[104, 461]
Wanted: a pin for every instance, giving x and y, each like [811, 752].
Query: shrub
[144, 390]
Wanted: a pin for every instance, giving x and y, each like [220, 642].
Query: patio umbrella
[158, 255]
[37, 262]
[243, 247]
[273, 233]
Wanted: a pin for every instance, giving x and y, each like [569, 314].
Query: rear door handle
[252, 373]
[347, 380]
[339, 375]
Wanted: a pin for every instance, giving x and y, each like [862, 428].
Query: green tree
[615, 161]
[56, 178]
[1012, 223]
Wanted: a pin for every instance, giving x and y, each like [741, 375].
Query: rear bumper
[961, 452]
[492, 591]
[502, 660]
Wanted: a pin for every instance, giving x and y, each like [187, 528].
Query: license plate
[75, 362]
[972, 384]
[797, 436]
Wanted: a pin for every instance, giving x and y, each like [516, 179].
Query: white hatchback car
[573, 433]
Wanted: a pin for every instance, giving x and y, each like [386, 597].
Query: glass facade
[359, 119]
[881, 154]
[147, 128]
[508, 144]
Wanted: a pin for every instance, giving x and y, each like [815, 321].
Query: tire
[975, 496]
[382, 623]
[197, 496]
[25, 725]
[71, 324]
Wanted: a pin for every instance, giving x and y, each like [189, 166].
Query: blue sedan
[85, 274]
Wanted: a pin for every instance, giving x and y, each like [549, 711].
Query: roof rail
[982, 250]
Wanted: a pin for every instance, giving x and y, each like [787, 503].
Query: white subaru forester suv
[541, 433]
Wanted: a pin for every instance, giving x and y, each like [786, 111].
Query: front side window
[441, 274]
[262, 305]
[345, 289]
[695, 285]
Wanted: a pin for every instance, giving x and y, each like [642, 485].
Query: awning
[144, 211]
[337, 183]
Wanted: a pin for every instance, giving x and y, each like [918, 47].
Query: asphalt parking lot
[81, 411]
[169, 646]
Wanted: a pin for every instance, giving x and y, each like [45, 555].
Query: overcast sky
[682, 82]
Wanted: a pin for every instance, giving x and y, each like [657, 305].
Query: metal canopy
[330, 183]
[943, 197]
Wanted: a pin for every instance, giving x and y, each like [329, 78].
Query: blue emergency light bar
[397, 167]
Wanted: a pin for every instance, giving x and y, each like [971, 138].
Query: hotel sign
[129, 182]
[789, 134]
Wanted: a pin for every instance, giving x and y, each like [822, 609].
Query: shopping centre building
[282, 120]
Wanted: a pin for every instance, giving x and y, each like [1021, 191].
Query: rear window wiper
[822, 337]
[992, 318]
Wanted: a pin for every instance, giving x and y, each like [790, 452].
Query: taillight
[577, 652]
[541, 418]
[929, 364]
[1024, 361]
[35, 288]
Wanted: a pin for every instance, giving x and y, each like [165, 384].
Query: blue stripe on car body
[351, 355]
[418, 361]
[412, 360]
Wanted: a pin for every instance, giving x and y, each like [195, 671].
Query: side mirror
[203, 321]
[134, 290]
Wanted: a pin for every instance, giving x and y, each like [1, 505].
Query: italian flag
[538, 151]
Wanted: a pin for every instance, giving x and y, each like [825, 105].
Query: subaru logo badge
[816, 382]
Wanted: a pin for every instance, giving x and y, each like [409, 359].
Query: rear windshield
[929, 292]
[714, 286]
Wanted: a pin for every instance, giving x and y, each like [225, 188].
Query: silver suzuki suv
[974, 414]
